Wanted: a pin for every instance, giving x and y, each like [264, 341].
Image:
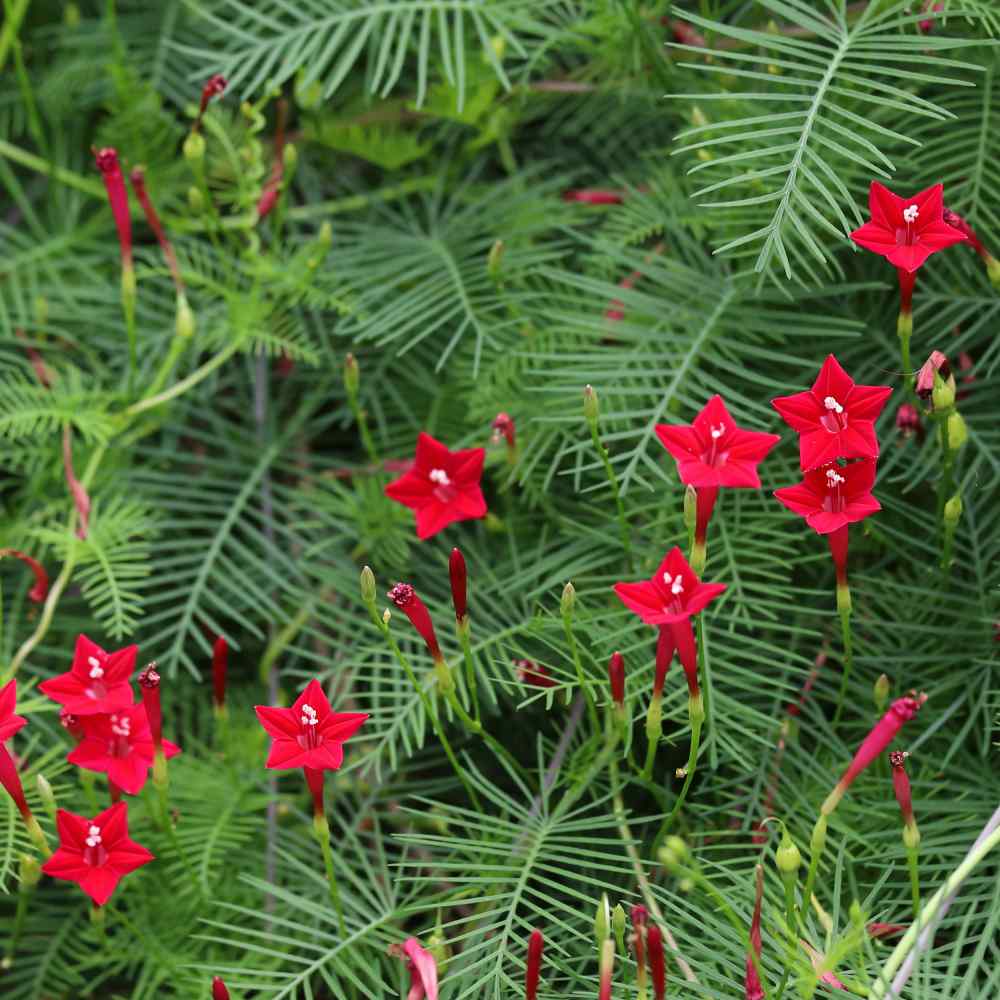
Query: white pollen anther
[831, 404]
[910, 213]
[678, 585]
[439, 476]
[96, 673]
[717, 432]
[834, 478]
[121, 725]
[94, 835]
[309, 716]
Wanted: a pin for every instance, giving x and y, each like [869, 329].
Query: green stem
[904, 329]
[322, 831]
[816, 844]
[178, 345]
[845, 630]
[198, 375]
[790, 921]
[697, 716]
[581, 680]
[362, 421]
[462, 628]
[913, 861]
[609, 471]
[23, 895]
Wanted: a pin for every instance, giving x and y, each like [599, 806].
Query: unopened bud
[787, 857]
[386, 616]
[568, 600]
[602, 920]
[618, 926]
[194, 147]
[352, 375]
[46, 795]
[184, 324]
[219, 991]
[196, 201]
[674, 853]
[911, 836]
[881, 692]
[953, 511]
[591, 408]
[690, 508]
[290, 157]
[30, 871]
[368, 585]
[494, 260]
[325, 236]
[958, 433]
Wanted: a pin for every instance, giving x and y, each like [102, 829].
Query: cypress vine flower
[121, 746]
[835, 418]
[96, 853]
[533, 967]
[73, 724]
[833, 496]
[114, 183]
[442, 486]
[40, 589]
[220, 662]
[219, 991]
[98, 681]
[407, 600]
[9, 722]
[310, 733]
[936, 382]
[459, 577]
[657, 965]
[503, 427]
[752, 988]
[901, 787]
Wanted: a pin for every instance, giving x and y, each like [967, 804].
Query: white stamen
[910, 213]
[93, 661]
[309, 716]
[667, 578]
[439, 476]
[678, 585]
[717, 432]
[94, 835]
[121, 725]
[96, 671]
[834, 478]
[831, 404]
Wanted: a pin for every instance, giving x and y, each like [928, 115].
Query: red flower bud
[908, 420]
[503, 427]
[594, 196]
[220, 660]
[11, 781]
[114, 183]
[219, 991]
[149, 688]
[926, 26]
[880, 930]
[752, 988]
[214, 87]
[535, 674]
[40, 590]
[616, 677]
[138, 179]
[80, 498]
[536, 945]
[657, 966]
[901, 785]
[459, 583]
[405, 598]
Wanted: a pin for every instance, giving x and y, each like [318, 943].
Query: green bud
[618, 925]
[591, 408]
[787, 857]
[602, 920]
[690, 508]
[30, 871]
[194, 147]
[325, 237]
[368, 585]
[41, 310]
[818, 840]
[495, 259]
[943, 393]
[184, 323]
[881, 692]
[196, 201]
[857, 917]
[911, 836]
[290, 156]
[45, 794]
[674, 853]
[71, 15]
[386, 616]
[352, 375]
[958, 434]
[685, 885]
[953, 511]
[568, 600]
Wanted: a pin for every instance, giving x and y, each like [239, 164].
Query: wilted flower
[40, 589]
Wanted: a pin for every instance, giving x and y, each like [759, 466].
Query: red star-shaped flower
[97, 682]
[96, 853]
[119, 745]
[906, 231]
[442, 486]
[835, 418]
[9, 722]
[309, 734]
[713, 451]
[673, 594]
[833, 495]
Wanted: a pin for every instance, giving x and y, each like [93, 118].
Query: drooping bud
[958, 433]
[602, 920]
[405, 598]
[657, 964]
[616, 678]
[220, 662]
[219, 991]
[533, 968]
[81, 500]
[40, 589]
[591, 406]
[607, 969]
[368, 586]
[352, 376]
[880, 692]
[568, 601]
[752, 988]
[458, 575]
[908, 420]
[534, 674]
[149, 688]
[214, 87]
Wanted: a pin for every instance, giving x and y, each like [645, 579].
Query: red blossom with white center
[835, 418]
[442, 486]
[96, 853]
[9, 722]
[309, 734]
[97, 682]
[673, 594]
[906, 231]
[119, 745]
[833, 496]
[714, 451]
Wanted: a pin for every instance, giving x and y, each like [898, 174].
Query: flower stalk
[911, 833]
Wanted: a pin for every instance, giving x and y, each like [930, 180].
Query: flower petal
[703, 595]
[798, 499]
[412, 490]
[800, 411]
[279, 722]
[865, 402]
[885, 208]
[431, 454]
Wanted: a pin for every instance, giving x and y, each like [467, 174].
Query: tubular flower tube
[533, 967]
[458, 575]
[114, 183]
[149, 688]
[640, 917]
[616, 679]
[752, 988]
[911, 833]
[957, 222]
[138, 179]
[657, 965]
[314, 779]
[9, 722]
[214, 87]
[81, 500]
[40, 589]
[11, 782]
[594, 196]
[607, 969]
[269, 194]
[405, 598]
[220, 663]
[219, 991]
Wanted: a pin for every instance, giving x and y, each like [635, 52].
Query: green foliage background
[426, 130]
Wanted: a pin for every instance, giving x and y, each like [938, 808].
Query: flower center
[121, 727]
[444, 490]
[94, 853]
[835, 418]
[712, 455]
[310, 737]
[96, 670]
[907, 236]
[440, 477]
[910, 214]
[834, 501]
[676, 585]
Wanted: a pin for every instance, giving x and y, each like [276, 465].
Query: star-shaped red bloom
[442, 486]
[97, 682]
[119, 745]
[673, 594]
[310, 733]
[835, 418]
[713, 451]
[9, 722]
[96, 853]
[906, 231]
[833, 495]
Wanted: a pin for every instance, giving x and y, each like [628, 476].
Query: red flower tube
[607, 969]
[114, 183]
[405, 598]
[594, 196]
[459, 584]
[657, 965]
[149, 688]
[640, 918]
[874, 744]
[220, 662]
[901, 785]
[138, 179]
[214, 87]
[533, 968]
[957, 222]
[752, 988]
[11, 782]
[40, 590]
[81, 500]
[9, 722]
[219, 991]
[616, 679]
